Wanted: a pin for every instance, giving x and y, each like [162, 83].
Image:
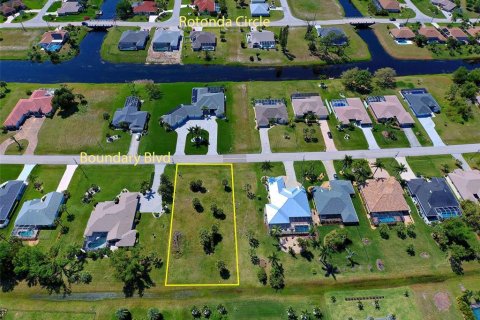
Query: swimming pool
[99, 241]
[301, 228]
[386, 219]
[26, 233]
[476, 312]
[53, 47]
[339, 103]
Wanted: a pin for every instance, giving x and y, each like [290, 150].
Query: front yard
[9, 172]
[432, 166]
[310, 10]
[389, 136]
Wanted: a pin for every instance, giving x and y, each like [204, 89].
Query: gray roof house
[259, 9]
[205, 101]
[10, 194]
[270, 110]
[133, 40]
[421, 102]
[40, 213]
[166, 40]
[111, 223]
[203, 41]
[69, 8]
[308, 103]
[262, 40]
[131, 116]
[467, 183]
[334, 204]
[434, 198]
[339, 36]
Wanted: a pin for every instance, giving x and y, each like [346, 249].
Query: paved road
[237, 158]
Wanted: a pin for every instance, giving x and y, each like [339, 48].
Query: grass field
[38, 315]
[311, 10]
[9, 171]
[362, 6]
[303, 167]
[473, 159]
[431, 166]
[428, 8]
[188, 251]
[110, 52]
[190, 147]
[17, 42]
[14, 148]
[383, 142]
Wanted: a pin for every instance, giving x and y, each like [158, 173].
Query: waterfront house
[111, 223]
[288, 208]
[269, 112]
[434, 199]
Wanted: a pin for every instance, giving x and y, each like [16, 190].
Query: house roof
[285, 203]
[445, 4]
[115, 219]
[304, 103]
[263, 36]
[40, 212]
[139, 38]
[402, 33]
[205, 5]
[69, 7]
[50, 36]
[389, 4]
[11, 6]
[341, 36]
[353, 110]
[422, 102]
[39, 101]
[432, 195]
[130, 114]
[473, 31]
[9, 192]
[457, 33]
[467, 183]
[389, 107]
[335, 199]
[167, 36]
[259, 9]
[384, 195]
[270, 109]
[199, 38]
[431, 33]
[145, 7]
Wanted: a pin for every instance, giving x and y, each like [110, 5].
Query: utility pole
[81, 168]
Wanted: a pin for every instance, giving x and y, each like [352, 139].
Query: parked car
[329, 134]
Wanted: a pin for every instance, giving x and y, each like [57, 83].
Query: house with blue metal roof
[259, 9]
[288, 208]
[130, 116]
[333, 203]
[40, 213]
[10, 194]
[434, 198]
[132, 40]
[422, 103]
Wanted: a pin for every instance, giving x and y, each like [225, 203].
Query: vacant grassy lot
[10, 172]
[384, 136]
[110, 52]
[284, 138]
[188, 251]
[17, 42]
[37, 315]
[303, 169]
[311, 10]
[431, 166]
[473, 159]
[393, 302]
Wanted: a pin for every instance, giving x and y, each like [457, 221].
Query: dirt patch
[380, 265]
[173, 57]
[262, 263]
[442, 301]
[425, 255]
[366, 241]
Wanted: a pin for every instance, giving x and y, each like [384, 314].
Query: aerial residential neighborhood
[250, 159]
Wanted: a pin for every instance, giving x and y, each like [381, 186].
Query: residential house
[166, 40]
[387, 5]
[207, 6]
[445, 5]
[259, 8]
[131, 40]
[434, 199]
[384, 201]
[54, 40]
[39, 104]
[40, 213]
[111, 223]
[288, 208]
[203, 41]
[474, 32]
[69, 8]
[338, 36]
[402, 33]
[385, 108]
[457, 34]
[333, 202]
[10, 194]
[11, 7]
[205, 101]
[261, 39]
[421, 102]
[270, 111]
[146, 8]
[466, 183]
[432, 34]
[130, 117]
[305, 104]
[351, 110]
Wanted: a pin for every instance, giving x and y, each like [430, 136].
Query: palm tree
[350, 254]
[19, 146]
[378, 164]
[401, 168]
[267, 166]
[325, 253]
[276, 231]
[347, 161]
[273, 259]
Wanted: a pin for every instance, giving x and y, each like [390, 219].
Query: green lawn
[284, 138]
[357, 140]
[191, 148]
[188, 222]
[24, 16]
[38, 315]
[473, 159]
[55, 6]
[303, 168]
[15, 149]
[426, 7]
[310, 9]
[16, 43]
[110, 52]
[9, 171]
[431, 166]
[362, 6]
[389, 137]
[35, 4]
[390, 164]
[92, 7]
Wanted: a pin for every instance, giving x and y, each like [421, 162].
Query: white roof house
[286, 205]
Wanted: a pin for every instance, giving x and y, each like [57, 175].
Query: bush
[384, 231]
[262, 276]
[123, 314]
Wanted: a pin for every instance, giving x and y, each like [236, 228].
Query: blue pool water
[26, 233]
[99, 242]
[476, 313]
[386, 219]
[302, 228]
[53, 47]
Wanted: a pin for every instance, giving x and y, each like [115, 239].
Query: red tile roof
[389, 4]
[48, 36]
[146, 7]
[431, 33]
[205, 5]
[402, 33]
[457, 33]
[473, 31]
[39, 101]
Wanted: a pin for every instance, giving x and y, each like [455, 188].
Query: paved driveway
[29, 131]
[291, 176]
[134, 143]
[412, 138]
[409, 175]
[67, 177]
[27, 169]
[429, 126]
[372, 143]
[328, 164]
[152, 200]
[209, 125]
[329, 144]
[264, 140]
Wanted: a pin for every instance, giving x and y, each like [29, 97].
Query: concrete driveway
[372, 143]
[328, 164]
[209, 125]
[329, 144]
[291, 180]
[134, 143]
[409, 175]
[67, 177]
[152, 201]
[429, 126]
[264, 140]
[27, 169]
[412, 138]
[29, 131]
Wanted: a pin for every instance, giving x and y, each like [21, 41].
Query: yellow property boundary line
[234, 228]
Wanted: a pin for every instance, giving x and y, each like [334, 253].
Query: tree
[291, 315]
[195, 312]
[283, 38]
[123, 314]
[385, 77]
[400, 168]
[262, 276]
[317, 313]
[460, 75]
[124, 9]
[266, 166]
[8, 250]
[336, 239]
[153, 91]
[411, 250]
[64, 99]
[350, 255]
[357, 80]
[154, 314]
[471, 214]
[384, 231]
[197, 205]
[347, 162]
[378, 164]
[166, 189]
